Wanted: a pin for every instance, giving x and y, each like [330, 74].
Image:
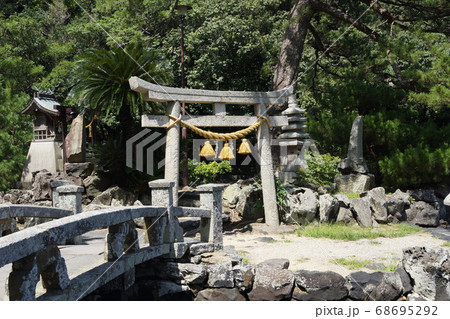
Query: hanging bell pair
[226, 153]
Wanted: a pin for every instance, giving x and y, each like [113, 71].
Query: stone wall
[204, 275]
[303, 205]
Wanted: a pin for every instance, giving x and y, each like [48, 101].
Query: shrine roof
[44, 103]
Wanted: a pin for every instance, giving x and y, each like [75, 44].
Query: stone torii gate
[175, 96]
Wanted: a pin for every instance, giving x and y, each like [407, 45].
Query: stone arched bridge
[35, 256]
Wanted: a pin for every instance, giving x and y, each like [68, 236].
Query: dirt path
[317, 254]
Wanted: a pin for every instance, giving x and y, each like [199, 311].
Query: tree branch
[317, 40]
[320, 6]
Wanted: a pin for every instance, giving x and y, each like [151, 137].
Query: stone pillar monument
[355, 176]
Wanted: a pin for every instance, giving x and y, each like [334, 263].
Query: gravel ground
[318, 253]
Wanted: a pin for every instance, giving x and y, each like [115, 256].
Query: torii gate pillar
[267, 174]
[171, 171]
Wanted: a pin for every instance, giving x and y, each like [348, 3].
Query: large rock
[18, 196]
[424, 195]
[361, 210]
[244, 275]
[345, 215]
[377, 199]
[319, 286]
[354, 183]
[115, 196]
[447, 200]
[76, 141]
[247, 205]
[396, 209]
[328, 208]
[230, 195]
[354, 162]
[342, 200]
[81, 170]
[96, 183]
[444, 212]
[41, 185]
[279, 263]
[429, 270]
[423, 214]
[221, 275]
[220, 294]
[272, 284]
[406, 280]
[168, 290]
[303, 207]
[184, 273]
[403, 196]
[378, 286]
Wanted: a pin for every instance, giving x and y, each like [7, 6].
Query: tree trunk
[292, 47]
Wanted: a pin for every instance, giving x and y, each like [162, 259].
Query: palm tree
[102, 81]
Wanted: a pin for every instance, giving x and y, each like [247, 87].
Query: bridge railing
[9, 213]
[33, 252]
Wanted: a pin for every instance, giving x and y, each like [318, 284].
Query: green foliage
[351, 195]
[321, 169]
[15, 136]
[416, 166]
[352, 263]
[400, 83]
[392, 267]
[103, 77]
[281, 194]
[341, 231]
[207, 172]
[230, 45]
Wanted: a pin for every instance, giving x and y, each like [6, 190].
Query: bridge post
[211, 228]
[55, 195]
[161, 229]
[69, 197]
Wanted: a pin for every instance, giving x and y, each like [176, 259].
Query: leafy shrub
[281, 193]
[321, 169]
[207, 172]
[416, 166]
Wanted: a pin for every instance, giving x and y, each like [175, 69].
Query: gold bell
[244, 148]
[207, 150]
[226, 153]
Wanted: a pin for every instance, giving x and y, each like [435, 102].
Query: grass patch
[341, 231]
[243, 253]
[350, 195]
[351, 263]
[375, 242]
[303, 259]
[389, 268]
[447, 244]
